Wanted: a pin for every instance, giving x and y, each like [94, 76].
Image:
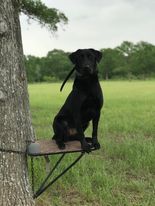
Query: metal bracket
[49, 147]
[44, 184]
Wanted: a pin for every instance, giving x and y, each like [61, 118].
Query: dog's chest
[91, 102]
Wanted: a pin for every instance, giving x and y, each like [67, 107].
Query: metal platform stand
[49, 147]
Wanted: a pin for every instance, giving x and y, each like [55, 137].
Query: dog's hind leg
[85, 125]
[59, 133]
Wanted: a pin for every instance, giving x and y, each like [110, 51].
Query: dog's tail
[64, 82]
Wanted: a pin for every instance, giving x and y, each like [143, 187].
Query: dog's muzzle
[87, 70]
[84, 71]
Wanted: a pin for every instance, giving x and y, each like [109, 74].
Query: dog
[83, 104]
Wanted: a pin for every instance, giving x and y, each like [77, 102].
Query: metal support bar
[50, 173]
[43, 188]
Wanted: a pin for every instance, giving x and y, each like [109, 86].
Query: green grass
[122, 172]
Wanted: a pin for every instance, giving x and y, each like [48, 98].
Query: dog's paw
[95, 144]
[61, 145]
[86, 147]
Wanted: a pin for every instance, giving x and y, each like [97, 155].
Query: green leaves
[139, 63]
[48, 17]
[128, 60]
[55, 66]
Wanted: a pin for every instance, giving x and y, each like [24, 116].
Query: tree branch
[48, 17]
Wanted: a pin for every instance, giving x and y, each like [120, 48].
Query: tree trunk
[15, 121]
[106, 75]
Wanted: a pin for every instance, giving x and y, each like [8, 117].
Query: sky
[92, 24]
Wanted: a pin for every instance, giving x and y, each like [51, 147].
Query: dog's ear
[73, 56]
[97, 54]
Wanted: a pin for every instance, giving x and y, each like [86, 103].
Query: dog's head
[85, 61]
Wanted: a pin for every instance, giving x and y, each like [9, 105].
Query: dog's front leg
[78, 98]
[84, 144]
[95, 122]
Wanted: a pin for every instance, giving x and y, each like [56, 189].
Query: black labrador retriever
[83, 104]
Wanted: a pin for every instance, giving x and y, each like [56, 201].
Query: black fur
[83, 103]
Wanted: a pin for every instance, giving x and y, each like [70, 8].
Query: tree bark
[15, 120]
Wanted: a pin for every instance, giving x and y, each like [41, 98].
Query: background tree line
[128, 60]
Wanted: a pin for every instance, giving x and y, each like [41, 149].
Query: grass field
[122, 172]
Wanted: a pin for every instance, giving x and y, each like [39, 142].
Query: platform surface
[49, 147]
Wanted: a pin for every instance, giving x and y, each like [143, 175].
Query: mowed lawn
[122, 172]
